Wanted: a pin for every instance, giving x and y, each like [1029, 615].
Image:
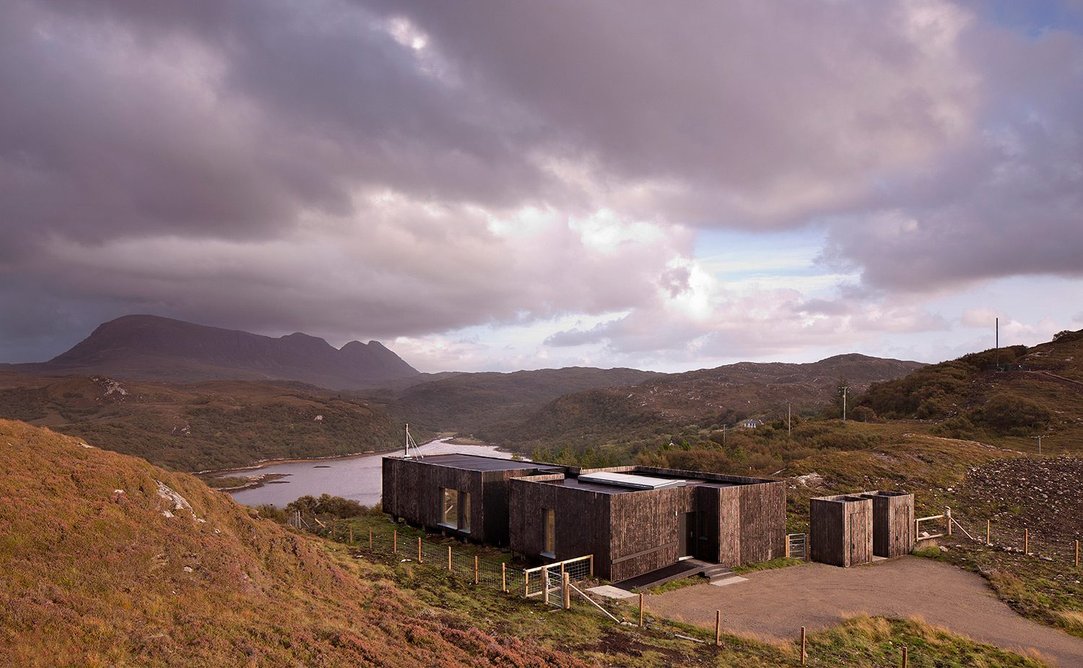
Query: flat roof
[465, 462]
[630, 480]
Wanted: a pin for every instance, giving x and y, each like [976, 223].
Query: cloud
[409, 169]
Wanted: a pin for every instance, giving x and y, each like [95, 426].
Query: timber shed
[463, 495]
[892, 523]
[840, 529]
[851, 529]
[636, 519]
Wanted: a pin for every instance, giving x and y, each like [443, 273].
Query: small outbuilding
[840, 529]
[850, 529]
[892, 523]
[635, 519]
[464, 495]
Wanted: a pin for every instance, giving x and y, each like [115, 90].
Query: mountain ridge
[150, 347]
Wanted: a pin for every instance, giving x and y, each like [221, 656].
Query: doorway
[688, 536]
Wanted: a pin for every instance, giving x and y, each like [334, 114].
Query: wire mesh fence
[1016, 536]
[465, 562]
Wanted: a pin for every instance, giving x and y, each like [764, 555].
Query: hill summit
[147, 347]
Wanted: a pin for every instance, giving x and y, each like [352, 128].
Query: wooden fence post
[717, 628]
[591, 561]
[1026, 541]
[351, 534]
[370, 539]
[395, 541]
[787, 551]
[905, 657]
[640, 609]
[947, 514]
[988, 532]
[567, 591]
[526, 583]
[504, 577]
[804, 655]
[419, 560]
[475, 569]
[1077, 553]
[448, 558]
[545, 585]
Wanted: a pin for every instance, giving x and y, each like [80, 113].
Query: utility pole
[789, 431]
[844, 388]
[1039, 443]
[996, 355]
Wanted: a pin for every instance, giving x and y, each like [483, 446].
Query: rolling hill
[146, 347]
[473, 403]
[1008, 396]
[707, 398]
[110, 561]
[221, 424]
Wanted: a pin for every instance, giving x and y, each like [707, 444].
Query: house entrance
[688, 537]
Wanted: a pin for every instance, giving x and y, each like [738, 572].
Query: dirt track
[776, 604]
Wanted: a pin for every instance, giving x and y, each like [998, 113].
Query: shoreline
[260, 480]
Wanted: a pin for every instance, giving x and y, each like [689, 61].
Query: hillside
[108, 560]
[144, 347]
[704, 399]
[473, 403]
[1008, 397]
[197, 427]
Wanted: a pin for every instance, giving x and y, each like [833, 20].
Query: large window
[455, 509]
[549, 524]
[449, 508]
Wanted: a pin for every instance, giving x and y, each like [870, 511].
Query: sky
[517, 184]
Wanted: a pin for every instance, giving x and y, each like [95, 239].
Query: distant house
[750, 423]
[464, 495]
[635, 520]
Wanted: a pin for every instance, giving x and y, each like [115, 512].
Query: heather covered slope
[211, 425]
[1007, 397]
[101, 567]
[662, 407]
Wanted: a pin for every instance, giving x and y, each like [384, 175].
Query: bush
[334, 506]
[1005, 414]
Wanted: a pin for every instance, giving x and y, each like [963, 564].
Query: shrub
[1005, 414]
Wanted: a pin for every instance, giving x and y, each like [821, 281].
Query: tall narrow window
[464, 502]
[549, 522]
[449, 508]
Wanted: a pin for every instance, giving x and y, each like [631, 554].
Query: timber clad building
[634, 520]
[465, 495]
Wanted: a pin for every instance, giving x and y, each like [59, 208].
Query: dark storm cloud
[386, 168]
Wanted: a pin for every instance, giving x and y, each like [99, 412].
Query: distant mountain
[472, 403]
[146, 347]
[707, 398]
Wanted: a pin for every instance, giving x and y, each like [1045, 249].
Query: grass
[94, 577]
[781, 562]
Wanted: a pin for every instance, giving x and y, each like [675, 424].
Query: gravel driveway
[777, 603]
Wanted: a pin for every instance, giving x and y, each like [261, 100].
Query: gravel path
[777, 603]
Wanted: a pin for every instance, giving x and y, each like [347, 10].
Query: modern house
[851, 529]
[635, 520]
[464, 495]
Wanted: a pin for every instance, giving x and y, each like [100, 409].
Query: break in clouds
[398, 169]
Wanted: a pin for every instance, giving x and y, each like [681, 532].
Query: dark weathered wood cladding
[635, 532]
[840, 530]
[892, 523]
[412, 492]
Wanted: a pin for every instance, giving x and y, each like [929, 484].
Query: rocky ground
[1044, 496]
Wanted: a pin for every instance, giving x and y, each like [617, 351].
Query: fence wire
[461, 561]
